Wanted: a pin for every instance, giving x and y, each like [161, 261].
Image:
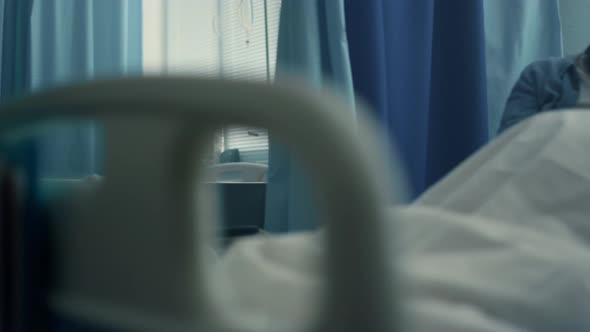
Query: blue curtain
[312, 46]
[27, 313]
[517, 33]
[77, 40]
[15, 19]
[421, 66]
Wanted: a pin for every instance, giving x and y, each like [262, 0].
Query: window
[234, 39]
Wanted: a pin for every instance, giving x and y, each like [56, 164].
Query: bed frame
[133, 258]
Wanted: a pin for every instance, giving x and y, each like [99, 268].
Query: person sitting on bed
[546, 85]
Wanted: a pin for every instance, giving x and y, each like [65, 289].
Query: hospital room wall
[576, 25]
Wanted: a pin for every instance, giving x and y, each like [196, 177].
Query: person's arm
[523, 101]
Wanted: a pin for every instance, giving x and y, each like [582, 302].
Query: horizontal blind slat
[244, 57]
[213, 37]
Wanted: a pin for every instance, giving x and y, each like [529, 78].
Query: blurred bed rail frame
[142, 233]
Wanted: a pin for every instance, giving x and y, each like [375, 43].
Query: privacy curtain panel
[312, 46]
[421, 66]
[15, 19]
[73, 41]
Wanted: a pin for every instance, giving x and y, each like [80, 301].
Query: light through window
[234, 39]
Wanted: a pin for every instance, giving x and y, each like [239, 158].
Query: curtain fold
[421, 66]
[312, 47]
[14, 47]
[21, 269]
[73, 41]
[457, 121]
[517, 33]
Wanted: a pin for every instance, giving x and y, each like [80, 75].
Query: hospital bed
[129, 255]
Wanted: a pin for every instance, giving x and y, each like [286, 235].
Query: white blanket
[502, 244]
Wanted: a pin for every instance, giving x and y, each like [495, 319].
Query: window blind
[234, 39]
[249, 33]
[191, 44]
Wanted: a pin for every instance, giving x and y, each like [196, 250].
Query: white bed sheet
[501, 244]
